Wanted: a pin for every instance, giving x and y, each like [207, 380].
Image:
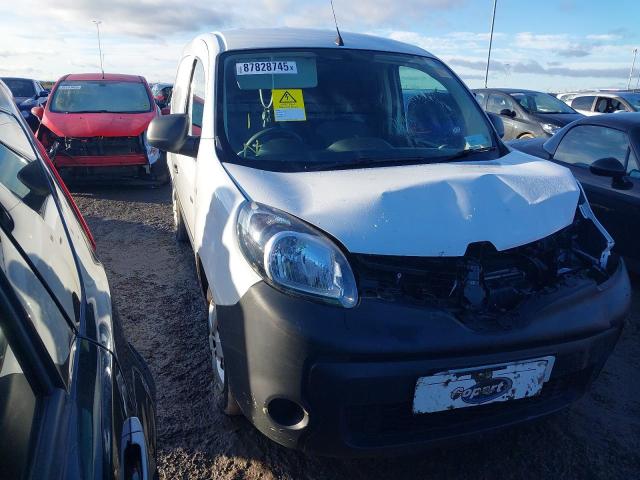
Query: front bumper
[354, 371]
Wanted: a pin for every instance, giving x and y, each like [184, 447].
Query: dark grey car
[526, 113]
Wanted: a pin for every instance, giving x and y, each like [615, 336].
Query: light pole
[633, 64]
[98, 22]
[493, 21]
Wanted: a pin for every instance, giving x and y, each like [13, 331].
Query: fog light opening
[287, 414]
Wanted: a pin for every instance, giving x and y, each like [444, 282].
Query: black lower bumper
[354, 371]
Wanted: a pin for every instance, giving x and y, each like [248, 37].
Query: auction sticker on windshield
[266, 68]
[288, 105]
[481, 385]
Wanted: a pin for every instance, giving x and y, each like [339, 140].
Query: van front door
[184, 167]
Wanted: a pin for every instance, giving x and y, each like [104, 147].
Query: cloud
[140, 18]
[575, 51]
[533, 67]
[561, 44]
[161, 18]
[606, 37]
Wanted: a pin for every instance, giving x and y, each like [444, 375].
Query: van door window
[196, 98]
[181, 86]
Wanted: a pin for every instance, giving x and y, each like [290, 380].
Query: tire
[178, 221]
[159, 170]
[226, 401]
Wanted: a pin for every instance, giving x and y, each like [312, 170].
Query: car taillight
[67, 194]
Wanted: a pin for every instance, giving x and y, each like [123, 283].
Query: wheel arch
[203, 281]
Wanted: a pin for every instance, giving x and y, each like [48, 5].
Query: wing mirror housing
[170, 133]
[43, 93]
[508, 113]
[37, 112]
[498, 124]
[613, 168]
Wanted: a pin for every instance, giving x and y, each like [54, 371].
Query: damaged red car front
[96, 124]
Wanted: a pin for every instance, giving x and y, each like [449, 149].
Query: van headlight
[294, 257]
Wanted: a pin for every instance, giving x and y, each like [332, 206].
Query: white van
[381, 271]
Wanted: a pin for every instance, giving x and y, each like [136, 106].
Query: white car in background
[598, 102]
[381, 271]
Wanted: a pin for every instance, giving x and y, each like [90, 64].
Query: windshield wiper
[465, 153]
[363, 162]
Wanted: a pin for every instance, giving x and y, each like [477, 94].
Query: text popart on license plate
[268, 67]
[481, 385]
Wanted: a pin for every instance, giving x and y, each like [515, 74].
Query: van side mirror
[497, 123]
[37, 112]
[611, 167]
[170, 133]
[508, 113]
[43, 93]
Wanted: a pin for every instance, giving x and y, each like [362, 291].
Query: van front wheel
[226, 401]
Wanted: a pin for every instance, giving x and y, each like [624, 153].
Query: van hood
[97, 124]
[424, 210]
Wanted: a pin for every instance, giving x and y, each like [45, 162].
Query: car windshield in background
[537, 102]
[20, 87]
[325, 109]
[100, 96]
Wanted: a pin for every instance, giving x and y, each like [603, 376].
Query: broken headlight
[152, 152]
[294, 257]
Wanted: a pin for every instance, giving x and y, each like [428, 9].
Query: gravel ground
[154, 285]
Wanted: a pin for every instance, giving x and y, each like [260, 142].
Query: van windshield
[327, 109]
[100, 96]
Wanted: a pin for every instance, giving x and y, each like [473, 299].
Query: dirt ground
[154, 284]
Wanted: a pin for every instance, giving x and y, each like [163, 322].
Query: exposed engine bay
[485, 288]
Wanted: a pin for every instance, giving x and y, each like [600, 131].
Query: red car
[93, 121]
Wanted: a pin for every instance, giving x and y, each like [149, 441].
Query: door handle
[175, 168]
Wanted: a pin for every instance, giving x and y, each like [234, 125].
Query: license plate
[481, 385]
[266, 68]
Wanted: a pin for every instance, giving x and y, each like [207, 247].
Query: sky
[549, 45]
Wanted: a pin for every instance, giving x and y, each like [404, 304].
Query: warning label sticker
[288, 105]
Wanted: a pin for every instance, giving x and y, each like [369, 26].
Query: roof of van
[251, 39]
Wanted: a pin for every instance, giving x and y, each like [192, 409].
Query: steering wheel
[266, 135]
